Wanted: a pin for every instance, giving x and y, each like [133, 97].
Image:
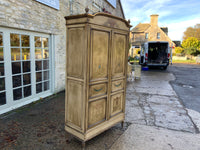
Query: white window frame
[10, 103]
[4, 76]
[146, 35]
[158, 35]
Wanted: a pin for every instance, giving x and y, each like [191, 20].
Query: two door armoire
[96, 66]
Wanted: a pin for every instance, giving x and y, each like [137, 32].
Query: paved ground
[159, 121]
[187, 84]
[154, 117]
[142, 137]
[152, 101]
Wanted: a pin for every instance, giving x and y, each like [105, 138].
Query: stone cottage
[144, 32]
[33, 46]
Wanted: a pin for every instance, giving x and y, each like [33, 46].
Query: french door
[25, 66]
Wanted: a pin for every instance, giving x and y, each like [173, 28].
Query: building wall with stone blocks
[30, 15]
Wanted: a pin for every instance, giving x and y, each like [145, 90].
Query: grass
[184, 61]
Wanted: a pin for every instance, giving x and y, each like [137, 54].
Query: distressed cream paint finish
[97, 51]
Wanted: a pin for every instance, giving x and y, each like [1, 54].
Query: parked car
[198, 59]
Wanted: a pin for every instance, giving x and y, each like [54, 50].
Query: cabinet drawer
[117, 103]
[117, 85]
[98, 89]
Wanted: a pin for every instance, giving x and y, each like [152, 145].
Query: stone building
[33, 46]
[144, 32]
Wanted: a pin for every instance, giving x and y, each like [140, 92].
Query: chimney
[154, 20]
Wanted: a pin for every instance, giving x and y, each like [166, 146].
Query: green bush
[179, 50]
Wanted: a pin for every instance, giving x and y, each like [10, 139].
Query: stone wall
[153, 30]
[34, 16]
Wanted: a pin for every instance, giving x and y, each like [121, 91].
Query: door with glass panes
[24, 66]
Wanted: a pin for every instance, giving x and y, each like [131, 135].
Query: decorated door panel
[116, 103]
[97, 112]
[99, 55]
[118, 55]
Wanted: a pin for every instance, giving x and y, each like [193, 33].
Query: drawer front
[98, 89]
[97, 112]
[117, 85]
[117, 103]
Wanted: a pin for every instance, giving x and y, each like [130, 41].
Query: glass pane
[27, 91]
[17, 81]
[15, 54]
[39, 88]
[26, 79]
[17, 94]
[25, 40]
[2, 98]
[14, 40]
[38, 42]
[38, 76]
[45, 43]
[38, 53]
[1, 39]
[26, 66]
[45, 64]
[1, 54]
[38, 65]
[16, 67]
[2, 84]
[46, 75]
[25, 53]
[46, 86]
[46, 53]
[1, 69]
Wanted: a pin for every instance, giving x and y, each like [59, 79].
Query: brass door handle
[97, 90]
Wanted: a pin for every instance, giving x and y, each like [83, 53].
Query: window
[158, 35]
[146, 35]
[42, 63]
[21, 65]
[25, 67]
[112, 2]
[2, 72]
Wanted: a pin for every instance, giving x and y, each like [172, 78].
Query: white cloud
[176, 29]
[176, 15]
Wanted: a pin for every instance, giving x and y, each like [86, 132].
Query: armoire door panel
[98, 89]
[97, 112]
[117, 103]
[118, 55]
[99, 55]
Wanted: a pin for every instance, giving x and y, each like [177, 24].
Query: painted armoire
[96, 66]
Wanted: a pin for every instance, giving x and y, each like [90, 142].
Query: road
[187, 84]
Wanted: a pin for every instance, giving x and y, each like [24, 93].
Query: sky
[177, 15]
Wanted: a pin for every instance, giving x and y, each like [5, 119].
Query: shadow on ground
[41, 126]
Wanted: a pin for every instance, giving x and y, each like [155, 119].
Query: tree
[191, 46]
[192, 32]
[179, 50]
